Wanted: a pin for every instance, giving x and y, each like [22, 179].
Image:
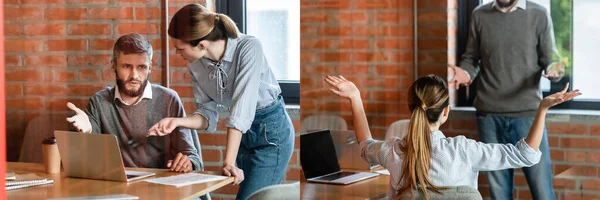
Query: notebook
[26, 180]
[320, 163]
[10, 176]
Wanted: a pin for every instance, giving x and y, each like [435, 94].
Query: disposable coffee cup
[51, 155]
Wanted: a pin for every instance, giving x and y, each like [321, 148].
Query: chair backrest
[398, 129]
[320, 122]
[281, 191]
[453, 193]
[40, 127]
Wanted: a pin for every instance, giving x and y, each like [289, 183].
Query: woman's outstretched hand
[559, 97]
[342, 87]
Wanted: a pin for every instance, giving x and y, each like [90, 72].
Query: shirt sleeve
[205, 106]
[252, 63]
[385, 153]
[471, 58]
[490, 157]
[182, 139]
[93, 114]
[546, 48]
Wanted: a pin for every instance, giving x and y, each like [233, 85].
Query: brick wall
[57, 52]
[368, 42]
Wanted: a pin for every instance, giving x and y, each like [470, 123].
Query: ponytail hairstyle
[194, 23]
[427, 98]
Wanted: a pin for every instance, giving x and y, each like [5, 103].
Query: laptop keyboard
[336, 176]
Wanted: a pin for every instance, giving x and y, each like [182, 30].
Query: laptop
[348, 151]
[320, 163]
[94, 156]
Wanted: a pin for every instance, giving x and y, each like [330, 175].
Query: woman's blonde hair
[194, 23]
[427, 98]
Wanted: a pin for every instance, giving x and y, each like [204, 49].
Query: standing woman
[229, 69]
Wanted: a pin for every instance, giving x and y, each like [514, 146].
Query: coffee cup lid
[49, 140]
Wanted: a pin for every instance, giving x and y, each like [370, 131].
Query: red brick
[14, 89]
[524, 194]
[568, 170]
[520, 180]
[351, 17]
[211, 155]
[45, 60]
[372, 4]
[113, 13]
[335, 31]
[22, 45]
[148, 13]
[563, 183]
[87, 1]
[589, 143]
[432, 16]
[12, 13]
[433, 31]
[559, 128]
[60, 104]
[12, 29]
[42, 1]
[324, 4]
[108, 75]
[184, 91]
[557, 155]
[353, 69]
[576, 156]
[367, 30]
[66, 45]
[394, 69]
[318, 16]
[64, 75]
[308, 30]
[134, 1]
[401, 31]
[89, 29]
[24, 75]
[335, 57]
[316, 44]
[9, 2]
[394, 43]
[595, 129]
[12, 60]
[306, 57]
[369, 56]
[26, 103]
[553, 141]
[354, 44]
[85, 89]
[433, 44]
[394, 16]
[140, 28]
[89, 74]
[66, 13]
[213, 139]
[45, 89]
[389, 95]
[591, 185]
[101, 44]
[88, 60]
[573, 195]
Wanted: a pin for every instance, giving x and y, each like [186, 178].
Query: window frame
[464, 10]
[236, 10]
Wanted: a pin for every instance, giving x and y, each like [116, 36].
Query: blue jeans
[266, 149]
[499, 129]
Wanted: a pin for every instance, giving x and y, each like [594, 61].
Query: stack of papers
[25, 180]
[186, 179]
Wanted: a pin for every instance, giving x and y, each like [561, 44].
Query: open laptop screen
[317, 154]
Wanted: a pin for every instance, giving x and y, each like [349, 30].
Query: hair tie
[217, 17]
[424, 107]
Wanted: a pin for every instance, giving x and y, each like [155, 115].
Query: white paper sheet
[185, 179]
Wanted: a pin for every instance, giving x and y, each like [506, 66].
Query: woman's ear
[203, 45]
[447, 111]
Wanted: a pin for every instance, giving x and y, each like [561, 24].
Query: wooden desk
[75, 187]
[374, 188]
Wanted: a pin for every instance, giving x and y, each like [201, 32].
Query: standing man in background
[510, 45]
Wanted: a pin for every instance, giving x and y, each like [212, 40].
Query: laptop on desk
[348, 151]
[94, 156]
[320, 162]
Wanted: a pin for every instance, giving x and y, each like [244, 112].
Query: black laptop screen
[317, 154]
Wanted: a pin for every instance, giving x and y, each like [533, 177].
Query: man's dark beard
[131, 93]
[505, 5]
